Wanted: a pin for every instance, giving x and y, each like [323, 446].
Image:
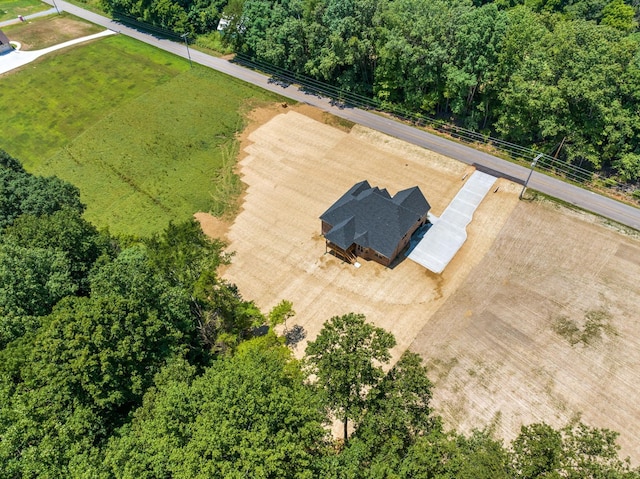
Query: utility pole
[57, 9]
[559, 148]
[533, 166]
[186, 42]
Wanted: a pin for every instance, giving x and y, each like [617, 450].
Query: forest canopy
[539, 73]
[124, 357]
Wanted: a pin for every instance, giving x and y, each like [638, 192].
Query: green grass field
[10, 9]
[146, 139]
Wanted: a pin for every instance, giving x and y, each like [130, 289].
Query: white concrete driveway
[444, 239]
[17, 58]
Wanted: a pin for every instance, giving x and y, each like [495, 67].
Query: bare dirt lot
[295, 168]
[534, 319]
[45, 32]
[546, 327]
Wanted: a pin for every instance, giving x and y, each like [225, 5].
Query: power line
[512, 151]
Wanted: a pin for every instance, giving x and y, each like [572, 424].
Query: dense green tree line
[539, 73]
[88, 320]
[532, 74]
[129, 358]
[180, 16]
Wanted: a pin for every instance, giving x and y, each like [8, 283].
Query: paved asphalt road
[622, 213]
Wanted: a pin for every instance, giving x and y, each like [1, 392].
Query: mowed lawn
[146, 139]
[10, 9]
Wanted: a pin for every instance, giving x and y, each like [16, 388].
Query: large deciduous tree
[248, 415]
[347, 358]
[415, 51]
[32, 281]
[64, 232]
[84, 372]
[23, 193]
[573, 452]
[188, 260]
[397, 414]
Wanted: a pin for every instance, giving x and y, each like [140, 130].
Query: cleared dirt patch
[212, 226]
[535, 319]
[545, 328]
[295, 167]
[45, 32]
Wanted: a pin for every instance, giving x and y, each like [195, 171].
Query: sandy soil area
[295, 167]
[212, 226]
[535, 319]
[545, 328]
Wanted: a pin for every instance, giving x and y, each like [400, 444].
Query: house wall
[372, 255]
[407, 238]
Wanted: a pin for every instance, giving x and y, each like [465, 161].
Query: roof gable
[348, 196]
[4, 42]
[343, 233]
[412, 199]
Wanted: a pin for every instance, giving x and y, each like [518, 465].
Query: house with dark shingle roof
[369, 223]
[5, 46]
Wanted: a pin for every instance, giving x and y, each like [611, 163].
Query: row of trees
[537, 73]
[129, 357]
[180, 16]
[531, 77]
[255, 414]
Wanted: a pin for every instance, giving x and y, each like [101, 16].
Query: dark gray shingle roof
[4, 43]
[371, 218]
